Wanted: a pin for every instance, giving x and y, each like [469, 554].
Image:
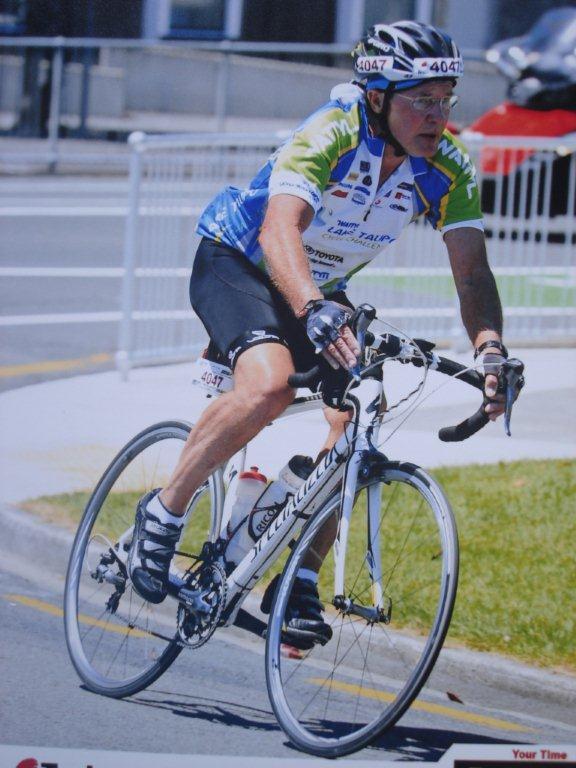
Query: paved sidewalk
[59, 436]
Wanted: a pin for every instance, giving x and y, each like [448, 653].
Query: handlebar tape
[473, 423]
[306, 378]
[466, 428]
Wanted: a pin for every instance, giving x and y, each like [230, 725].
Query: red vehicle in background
[541, 69]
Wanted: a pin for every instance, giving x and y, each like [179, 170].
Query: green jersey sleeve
[304, 165]
[459, 204]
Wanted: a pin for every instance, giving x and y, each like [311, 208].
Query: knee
[261, 381]
[266, 398]
[272, 397]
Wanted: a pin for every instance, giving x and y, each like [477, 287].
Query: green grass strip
[517, 530]
[521, 290]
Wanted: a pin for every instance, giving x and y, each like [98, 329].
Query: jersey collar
[419, 165]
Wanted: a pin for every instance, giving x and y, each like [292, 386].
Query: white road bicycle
[388, 584]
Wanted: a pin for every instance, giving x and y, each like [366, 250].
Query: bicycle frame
[341, 465]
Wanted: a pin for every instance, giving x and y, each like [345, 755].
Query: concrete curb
[27, 537]
[508, 675]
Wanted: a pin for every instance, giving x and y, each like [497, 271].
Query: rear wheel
[118, 642]
[335, 699]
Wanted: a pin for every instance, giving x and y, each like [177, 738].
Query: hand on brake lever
[326, 326]
[508, 379]
[344, 351]
[497, 405]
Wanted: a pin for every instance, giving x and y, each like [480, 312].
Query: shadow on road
[427, 744]
[401, 742]
[209, 709]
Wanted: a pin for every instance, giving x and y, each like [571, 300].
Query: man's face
[417, 131]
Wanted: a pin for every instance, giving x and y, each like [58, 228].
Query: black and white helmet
[404, 54]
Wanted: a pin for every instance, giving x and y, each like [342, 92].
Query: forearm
[286, 260]
[288, 267]
[480, 305]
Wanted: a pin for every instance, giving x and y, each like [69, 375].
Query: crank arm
[193, 600]
[245, 620]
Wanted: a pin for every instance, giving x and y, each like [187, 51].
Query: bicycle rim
[118, 642]
[335, 699]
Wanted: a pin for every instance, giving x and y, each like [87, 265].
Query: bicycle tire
[120, 653]
[312, 695]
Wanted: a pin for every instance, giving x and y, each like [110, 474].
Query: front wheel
[388, 627]
[118, 642]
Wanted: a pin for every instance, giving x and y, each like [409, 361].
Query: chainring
[194, 627]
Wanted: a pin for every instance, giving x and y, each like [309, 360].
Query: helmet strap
[380, 120]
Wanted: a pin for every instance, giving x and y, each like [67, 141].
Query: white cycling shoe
[151, 551]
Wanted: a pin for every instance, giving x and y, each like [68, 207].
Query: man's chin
[425, 146]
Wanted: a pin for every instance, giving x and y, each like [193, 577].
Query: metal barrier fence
[528, 189]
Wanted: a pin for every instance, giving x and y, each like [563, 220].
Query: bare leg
[337, 420]
[260, 394]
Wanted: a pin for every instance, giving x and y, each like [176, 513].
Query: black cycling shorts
[240, 307]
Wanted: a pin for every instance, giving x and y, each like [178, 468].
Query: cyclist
[270, 272]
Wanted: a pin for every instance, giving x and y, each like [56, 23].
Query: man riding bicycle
[270, 272]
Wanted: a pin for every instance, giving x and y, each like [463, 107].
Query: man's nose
[435, 110]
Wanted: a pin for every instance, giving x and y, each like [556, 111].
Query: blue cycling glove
[323, 320]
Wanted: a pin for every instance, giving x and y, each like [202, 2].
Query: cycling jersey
[333, 163]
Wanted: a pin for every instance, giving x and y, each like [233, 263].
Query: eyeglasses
[427, 104]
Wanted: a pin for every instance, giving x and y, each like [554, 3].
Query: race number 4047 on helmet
[402, 55]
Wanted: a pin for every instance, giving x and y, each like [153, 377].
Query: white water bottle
[248, 488]
[266, 507]
[276, 496]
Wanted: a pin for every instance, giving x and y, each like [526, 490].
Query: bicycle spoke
[390, 571]
[330, 677]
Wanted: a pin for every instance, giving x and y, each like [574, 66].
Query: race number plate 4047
[211, 376]
[438, 67]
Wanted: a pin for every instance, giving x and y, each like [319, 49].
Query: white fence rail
[528, 191]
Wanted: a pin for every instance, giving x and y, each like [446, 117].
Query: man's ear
[376, 100]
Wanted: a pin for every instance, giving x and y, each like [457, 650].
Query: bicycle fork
[366, 399]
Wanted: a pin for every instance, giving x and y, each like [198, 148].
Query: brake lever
[511, 381]
[361, 318]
